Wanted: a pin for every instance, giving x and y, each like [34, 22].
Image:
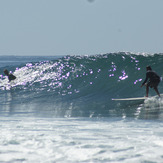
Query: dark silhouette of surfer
[152, 80]
[10, 76]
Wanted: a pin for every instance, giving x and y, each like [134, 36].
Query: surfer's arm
[145, 80]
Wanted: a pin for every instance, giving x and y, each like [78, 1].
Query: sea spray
[75, 86]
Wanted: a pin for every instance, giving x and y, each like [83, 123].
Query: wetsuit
[154, 79]
[11, 77]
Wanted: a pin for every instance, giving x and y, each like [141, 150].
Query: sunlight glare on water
[61, 109]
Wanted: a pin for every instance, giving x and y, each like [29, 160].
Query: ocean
[60, 109]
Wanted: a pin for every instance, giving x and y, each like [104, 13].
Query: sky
[80, 27]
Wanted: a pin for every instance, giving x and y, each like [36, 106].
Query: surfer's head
[148, 68]
[6, 72]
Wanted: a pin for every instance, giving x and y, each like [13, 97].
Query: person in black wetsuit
[152, 80]
[10, 76]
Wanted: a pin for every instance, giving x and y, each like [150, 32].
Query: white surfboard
[129, 99]
[136, 98]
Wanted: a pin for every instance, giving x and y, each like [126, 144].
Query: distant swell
[79, 85]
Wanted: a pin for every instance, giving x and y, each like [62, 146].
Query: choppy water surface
[59, 109]
[80, 140]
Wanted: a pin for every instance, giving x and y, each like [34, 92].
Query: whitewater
[60, 109]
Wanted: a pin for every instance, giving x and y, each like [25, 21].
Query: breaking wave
[75, 86]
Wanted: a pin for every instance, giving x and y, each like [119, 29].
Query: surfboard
[129, 99]
[136, 98]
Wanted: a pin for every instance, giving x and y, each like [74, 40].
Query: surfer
[10, 76]
[152, 80]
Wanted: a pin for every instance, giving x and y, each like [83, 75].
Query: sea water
[59, 109]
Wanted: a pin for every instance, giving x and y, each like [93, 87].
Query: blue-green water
[77, 86]
[59, 109]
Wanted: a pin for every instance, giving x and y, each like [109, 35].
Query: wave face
[75, 86]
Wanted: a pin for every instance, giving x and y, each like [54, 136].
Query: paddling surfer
[10, 76]
[152, 80]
